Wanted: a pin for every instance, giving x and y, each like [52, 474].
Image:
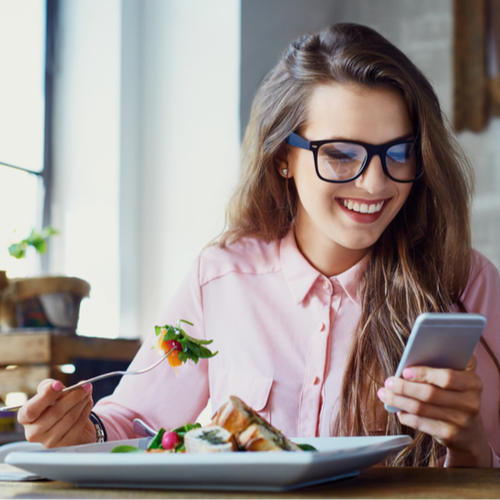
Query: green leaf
[48, 231]
[39, 245]
[156, 442]
[125, 448]
[306, 447]
[18, 250]
[196, 341]
[192, 348]
[206, 353]
[38, 240]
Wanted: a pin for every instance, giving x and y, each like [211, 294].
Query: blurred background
[121, 121]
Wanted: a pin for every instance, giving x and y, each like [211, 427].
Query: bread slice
[212, 439]
[252, 432]
[232, 416]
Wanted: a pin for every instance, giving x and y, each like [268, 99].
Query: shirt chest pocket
[251, 389]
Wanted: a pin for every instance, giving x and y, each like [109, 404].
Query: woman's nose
[373, 180]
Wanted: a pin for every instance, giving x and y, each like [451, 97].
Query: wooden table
[376, 482]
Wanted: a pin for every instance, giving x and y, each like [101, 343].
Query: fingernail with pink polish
[87, 387]
[389, 383]
[408, 374]
[381, 394]
[57, 385]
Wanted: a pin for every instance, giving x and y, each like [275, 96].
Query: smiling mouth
[362, 208]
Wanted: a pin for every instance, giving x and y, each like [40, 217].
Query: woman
[350, 219]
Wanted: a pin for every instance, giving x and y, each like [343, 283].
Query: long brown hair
[420, 263]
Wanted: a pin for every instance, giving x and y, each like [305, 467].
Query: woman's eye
[339, 156]
[401, 153]
[399, 157]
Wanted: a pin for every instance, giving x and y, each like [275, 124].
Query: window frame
[51, 10]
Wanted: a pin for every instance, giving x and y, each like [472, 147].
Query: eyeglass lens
[340, 161]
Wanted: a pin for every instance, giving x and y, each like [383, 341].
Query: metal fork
[100, 377]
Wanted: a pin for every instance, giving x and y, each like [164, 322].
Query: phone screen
[441, 340]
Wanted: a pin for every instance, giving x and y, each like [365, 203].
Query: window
[23, 121]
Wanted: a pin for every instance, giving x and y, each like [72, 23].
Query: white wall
[147, 148]
[87, 157]
[188, 144]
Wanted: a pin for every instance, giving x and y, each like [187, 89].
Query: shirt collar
[349, 280]
[301, 275]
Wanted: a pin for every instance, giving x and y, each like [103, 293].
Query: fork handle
[90, 380]
[99, 377]
[10, 408]
[70, 388]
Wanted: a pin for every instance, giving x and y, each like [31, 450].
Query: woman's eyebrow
[407, 137]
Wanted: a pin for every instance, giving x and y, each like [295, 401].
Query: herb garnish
[190, 348]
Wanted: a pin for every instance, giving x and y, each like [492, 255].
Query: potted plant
[44, 301]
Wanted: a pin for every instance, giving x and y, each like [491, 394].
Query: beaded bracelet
[100, 430]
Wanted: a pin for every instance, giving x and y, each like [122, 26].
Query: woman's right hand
[56, 419]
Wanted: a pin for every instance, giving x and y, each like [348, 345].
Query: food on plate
[170, 440]
[170, 337]
[251, 430]
[234, 427]
[166, 441]
[211, 439]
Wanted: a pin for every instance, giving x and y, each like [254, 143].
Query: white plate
[93, 465]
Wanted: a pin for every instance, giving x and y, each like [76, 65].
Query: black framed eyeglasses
[343, 161]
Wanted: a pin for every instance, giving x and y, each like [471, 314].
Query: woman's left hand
[445, 404]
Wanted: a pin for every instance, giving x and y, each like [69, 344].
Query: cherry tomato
[169, 440]
[173, 357]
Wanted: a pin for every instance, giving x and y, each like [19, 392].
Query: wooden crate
[37, 355]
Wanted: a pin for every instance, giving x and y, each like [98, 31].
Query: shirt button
[315, 380]
[320, 327]
[326, 285]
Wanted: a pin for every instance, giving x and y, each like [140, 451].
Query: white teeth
[364, 208]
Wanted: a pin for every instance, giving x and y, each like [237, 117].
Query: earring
[284, 171]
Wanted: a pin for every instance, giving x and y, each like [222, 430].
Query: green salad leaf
[191, 348]
[306, 447]
[180, 431]
[125, 448]
[156, 442]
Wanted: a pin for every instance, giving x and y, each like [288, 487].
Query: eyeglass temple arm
[295, 140]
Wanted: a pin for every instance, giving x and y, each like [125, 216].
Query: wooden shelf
[38, 353]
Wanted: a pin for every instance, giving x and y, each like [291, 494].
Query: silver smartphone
[441, 340]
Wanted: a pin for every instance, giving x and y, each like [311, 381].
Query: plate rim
[62, 465]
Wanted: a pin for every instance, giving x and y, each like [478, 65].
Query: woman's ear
[281, 161]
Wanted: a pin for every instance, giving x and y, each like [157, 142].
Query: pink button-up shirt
[283, 332]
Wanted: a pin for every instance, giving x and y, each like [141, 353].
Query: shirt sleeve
[482, 296]
[159, 397]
